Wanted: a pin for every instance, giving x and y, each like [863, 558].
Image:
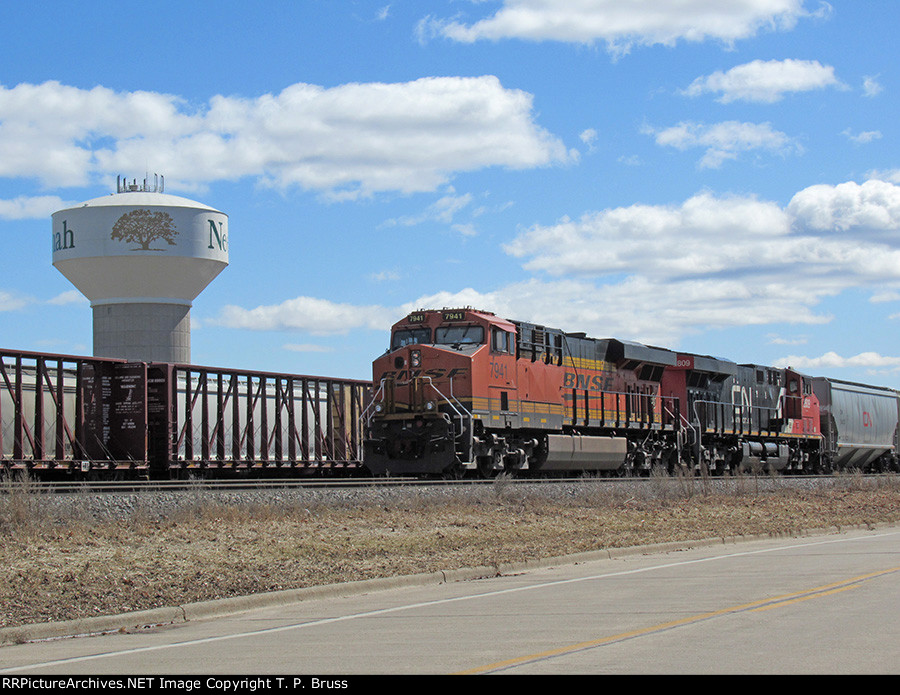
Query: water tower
[141, 257]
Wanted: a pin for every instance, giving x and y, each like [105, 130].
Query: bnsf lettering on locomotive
[585, 382]
[436, 373]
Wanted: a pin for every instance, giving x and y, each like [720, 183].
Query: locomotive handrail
[738, 408]
[644, 414]
[468, 415]
[685, 423]
[462, 414]
[365, 415]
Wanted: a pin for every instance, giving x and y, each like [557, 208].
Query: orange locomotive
[464, 390]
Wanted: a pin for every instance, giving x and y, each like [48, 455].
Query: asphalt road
[823, 604]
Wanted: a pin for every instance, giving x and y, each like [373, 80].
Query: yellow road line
[761, 605]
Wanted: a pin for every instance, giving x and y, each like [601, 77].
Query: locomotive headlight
[429, 405]
[379, 407]
[415, 358]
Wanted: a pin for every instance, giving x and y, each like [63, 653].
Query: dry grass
[55, 568]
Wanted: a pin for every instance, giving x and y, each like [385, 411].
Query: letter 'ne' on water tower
[141, 257]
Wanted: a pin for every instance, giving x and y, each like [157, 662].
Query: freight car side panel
[223, 419]
[859, 422]
[68, 413]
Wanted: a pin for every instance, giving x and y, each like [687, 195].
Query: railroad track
[201, 485]
[99, 486]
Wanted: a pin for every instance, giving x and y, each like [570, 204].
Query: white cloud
[864, 137]
[778, 340]
[349, 140]
[385, 276]
[708, 235]
[32, 207]
[443, 210]
[716, 261]
[621, 24]
[890, 175]
[589, 137]
[765, 81]
[65, 123]
[885, 296]
[12, 302]
[724, 141]
[467, 229]
[871, 86]
[306, 347]
[669, 241]
[316, 316]
[871, 209]
[70, 297]
[834, 360]
[655, 273]
[637, 308]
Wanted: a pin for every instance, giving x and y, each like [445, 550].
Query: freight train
[462, 391]
[64, 415]
[458, 392]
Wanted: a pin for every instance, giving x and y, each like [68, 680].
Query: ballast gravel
[74, 556]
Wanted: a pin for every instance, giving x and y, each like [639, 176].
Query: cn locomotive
[464, 391]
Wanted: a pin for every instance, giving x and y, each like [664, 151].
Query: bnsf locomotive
[461, 390]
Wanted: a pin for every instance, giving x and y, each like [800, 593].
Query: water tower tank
[141, 257]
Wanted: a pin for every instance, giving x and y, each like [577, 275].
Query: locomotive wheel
[487, 466]
[454, 471]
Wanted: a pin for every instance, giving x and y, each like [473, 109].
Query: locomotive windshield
[459, 335]
[410, 336]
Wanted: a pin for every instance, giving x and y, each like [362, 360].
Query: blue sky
[720, 178]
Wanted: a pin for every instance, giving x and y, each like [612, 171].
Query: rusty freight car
[99, 417]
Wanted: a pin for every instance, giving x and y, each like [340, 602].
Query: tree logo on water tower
[144, 227]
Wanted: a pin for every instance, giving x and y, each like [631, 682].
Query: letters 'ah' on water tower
[141, 257]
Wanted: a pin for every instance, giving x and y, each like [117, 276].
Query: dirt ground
[54, 568]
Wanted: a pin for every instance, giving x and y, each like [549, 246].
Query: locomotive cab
[430, 385]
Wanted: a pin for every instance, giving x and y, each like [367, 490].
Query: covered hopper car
[461, 390]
